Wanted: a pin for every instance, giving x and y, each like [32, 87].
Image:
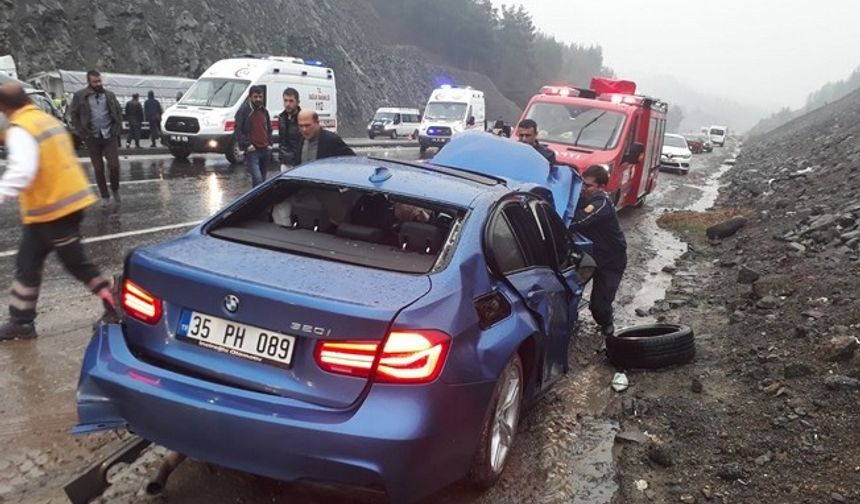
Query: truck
[450, 110]
[204, 120]
[607, 124]
[64, 83]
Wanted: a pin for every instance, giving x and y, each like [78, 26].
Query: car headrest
[310, 215]
[420, 237]
[373, 210]
[362, 233]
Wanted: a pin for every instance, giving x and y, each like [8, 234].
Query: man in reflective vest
[53, 191]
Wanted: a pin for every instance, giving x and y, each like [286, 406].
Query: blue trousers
[256, 163]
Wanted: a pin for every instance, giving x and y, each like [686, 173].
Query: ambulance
[451, 110]
[204, 118]
[609, 125]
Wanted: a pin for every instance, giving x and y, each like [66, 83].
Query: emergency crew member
[596, 219]
[527, 131]
[53, 191]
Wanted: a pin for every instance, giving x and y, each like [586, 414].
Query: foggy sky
[764, 52]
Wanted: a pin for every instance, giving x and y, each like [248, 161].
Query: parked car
[356, 321]
[699, 145]
[676, 155]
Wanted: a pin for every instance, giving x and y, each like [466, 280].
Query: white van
[394, 122]
[204, 119]
[451, 110]
[717, 135]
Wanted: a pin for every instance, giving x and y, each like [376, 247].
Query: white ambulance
[451, 110]
[204, 119]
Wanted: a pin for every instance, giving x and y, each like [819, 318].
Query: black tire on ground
[422, 149]
[180, 153]
[371, 135]
[651, 346]
[234, 154]
[482, 474]
[726, 228]
[393, 135]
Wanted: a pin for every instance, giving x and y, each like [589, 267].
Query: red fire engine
[607, 125]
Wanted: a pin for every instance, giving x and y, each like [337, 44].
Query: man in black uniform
[527, 131]
[596, 220]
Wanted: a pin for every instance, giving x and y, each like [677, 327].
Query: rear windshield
[346, 224]
[577, 125]
[715, 131]
[673, 141]
[210, 92]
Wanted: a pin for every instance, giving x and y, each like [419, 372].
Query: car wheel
[234, 154]
[371, 135]
[641, 201]
[651, 346]
[180, 153]
[500, 426]
[393, 135]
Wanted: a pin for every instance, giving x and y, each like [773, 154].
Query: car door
[520, 255]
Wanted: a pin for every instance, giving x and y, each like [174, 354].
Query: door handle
[535, 293]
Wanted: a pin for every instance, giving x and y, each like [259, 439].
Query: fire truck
[608, 125]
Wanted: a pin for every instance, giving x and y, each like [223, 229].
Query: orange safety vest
[60, 186]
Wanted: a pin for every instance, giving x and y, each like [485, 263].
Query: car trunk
[273, 292]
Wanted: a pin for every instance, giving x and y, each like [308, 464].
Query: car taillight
[276, 124]
[139, 303]
[229, 126]
[407, 357]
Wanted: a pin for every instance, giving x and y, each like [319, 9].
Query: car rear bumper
[404, 440]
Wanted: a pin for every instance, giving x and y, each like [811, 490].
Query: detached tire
[651, 346]
[500, 426]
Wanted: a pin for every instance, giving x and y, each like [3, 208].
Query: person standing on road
[288, 129]
[254, 134]
[52, 190]
[319, 143]
[596, 219]
[527, 131]
[97, 119]
[152, 110]
[134, 115]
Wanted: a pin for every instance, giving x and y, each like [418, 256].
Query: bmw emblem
[231, 303]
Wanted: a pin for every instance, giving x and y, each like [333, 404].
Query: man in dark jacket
[97, 118]
[319, 143]
[288, 128]
[596, 220]
[152, 110]
[254, 134]
[134, 116]
[527, 131]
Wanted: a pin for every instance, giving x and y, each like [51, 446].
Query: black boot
[12, 330]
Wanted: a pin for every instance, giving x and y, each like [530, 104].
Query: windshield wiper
[215, 93]
[589, 123]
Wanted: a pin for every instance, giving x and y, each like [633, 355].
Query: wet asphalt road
[38, 378]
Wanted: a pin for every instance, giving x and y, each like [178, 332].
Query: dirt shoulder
[769, 407]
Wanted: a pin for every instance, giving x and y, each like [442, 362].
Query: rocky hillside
[183, 37]
[770, 413]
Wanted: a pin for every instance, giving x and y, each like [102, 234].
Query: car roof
[422, 181]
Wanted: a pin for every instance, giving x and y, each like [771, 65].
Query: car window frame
[527, 245]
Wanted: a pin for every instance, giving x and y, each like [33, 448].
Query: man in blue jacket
[254, 134]
[596, 220]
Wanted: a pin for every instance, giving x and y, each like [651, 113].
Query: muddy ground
[769, 411]
[566, 449]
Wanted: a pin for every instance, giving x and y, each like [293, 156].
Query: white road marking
[125, 234]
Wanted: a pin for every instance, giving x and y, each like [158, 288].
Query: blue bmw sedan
[362, 322]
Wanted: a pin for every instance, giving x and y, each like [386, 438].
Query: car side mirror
[396, 120]
[470, 121]
[633, 154]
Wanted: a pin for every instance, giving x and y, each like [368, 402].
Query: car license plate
[240, 340]
[179, 138]
[438, 140]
